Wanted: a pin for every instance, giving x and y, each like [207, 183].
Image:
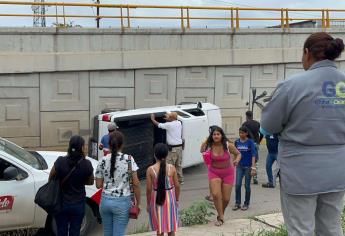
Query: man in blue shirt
[272, 147]
[104, 145]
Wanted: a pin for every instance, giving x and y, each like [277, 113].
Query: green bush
[197, 214]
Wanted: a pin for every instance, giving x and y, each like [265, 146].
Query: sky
[107, 23]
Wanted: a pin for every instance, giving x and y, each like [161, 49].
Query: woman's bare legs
[216, 190]
[226, 194]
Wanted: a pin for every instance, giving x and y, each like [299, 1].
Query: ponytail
[113, 149]
[160, 199]
[161, 152]
[115, 143]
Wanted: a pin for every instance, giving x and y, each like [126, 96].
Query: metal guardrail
[233, 20]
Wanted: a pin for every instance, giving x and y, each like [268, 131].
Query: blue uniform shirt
[248, 151]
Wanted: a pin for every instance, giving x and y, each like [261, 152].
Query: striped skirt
[164, 218]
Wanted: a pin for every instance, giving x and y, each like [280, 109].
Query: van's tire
[87, 223]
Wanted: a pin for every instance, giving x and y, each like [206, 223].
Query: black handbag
[49, 196]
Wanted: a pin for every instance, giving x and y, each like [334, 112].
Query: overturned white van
[141, 135]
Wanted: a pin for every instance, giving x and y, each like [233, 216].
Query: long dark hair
[115, 143]
[224, 140]
[75, 150]
[161, 152]
[323, 46]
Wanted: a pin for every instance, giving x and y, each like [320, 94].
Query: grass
[277, 232]
[283, 232]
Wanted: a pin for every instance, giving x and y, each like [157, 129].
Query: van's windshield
[20, 154]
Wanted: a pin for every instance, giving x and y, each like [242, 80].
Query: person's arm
[253, 154]
[176, 184]
[100, 174]
[233, 150]
[148, 188]
[91, 178]
[261, 136]
[203, 146]
[153, 119]
[136, 187]
[275, 114]
[99, 182]
[52, 173]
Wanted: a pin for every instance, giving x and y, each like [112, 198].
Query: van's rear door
[195, 131]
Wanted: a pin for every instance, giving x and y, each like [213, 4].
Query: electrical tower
[39, 11]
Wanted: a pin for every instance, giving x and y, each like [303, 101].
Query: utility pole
[98, 2]
[39, 19]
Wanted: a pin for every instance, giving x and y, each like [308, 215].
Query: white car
[22, 173]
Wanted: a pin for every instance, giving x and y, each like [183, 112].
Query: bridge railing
[232, 17]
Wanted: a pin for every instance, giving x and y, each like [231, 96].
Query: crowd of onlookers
[305, 115]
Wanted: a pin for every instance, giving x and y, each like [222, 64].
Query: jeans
[69, 221]
[115, 214]
[241, 172]
[271, 158]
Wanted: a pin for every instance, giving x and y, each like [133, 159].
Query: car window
[182, 114]
[5, 164]
[195, 111]
[20, 154]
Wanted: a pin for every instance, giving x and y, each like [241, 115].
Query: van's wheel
[87, 223]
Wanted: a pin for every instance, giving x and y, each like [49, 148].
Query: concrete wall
[54, 81]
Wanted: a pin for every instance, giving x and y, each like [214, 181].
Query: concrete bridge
[54, 81]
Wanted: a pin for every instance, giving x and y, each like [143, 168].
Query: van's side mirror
[10, 173]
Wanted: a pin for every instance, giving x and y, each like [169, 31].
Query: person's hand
[253, 172]
[100, 146]
[203, 147]
[236, 161]
[152, 116]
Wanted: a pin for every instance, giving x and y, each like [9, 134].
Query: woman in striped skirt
[162, 193]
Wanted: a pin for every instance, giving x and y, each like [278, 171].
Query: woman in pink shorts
[221, 170]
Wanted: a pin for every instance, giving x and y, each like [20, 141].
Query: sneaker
[255, 181]
[182, 183]
[244, 207]
[267, 185]
[236, 207]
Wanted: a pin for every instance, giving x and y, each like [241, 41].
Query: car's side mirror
[10, 173]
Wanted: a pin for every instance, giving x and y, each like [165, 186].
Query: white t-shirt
[174, 132]
[119, 185]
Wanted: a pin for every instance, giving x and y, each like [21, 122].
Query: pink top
[223, 161]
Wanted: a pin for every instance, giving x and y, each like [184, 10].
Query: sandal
[209, 198]
[219, 222]
[244, 207]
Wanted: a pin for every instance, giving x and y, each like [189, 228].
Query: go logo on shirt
[330, 89]
[333, 94]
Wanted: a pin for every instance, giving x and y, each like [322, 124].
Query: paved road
[196, 188]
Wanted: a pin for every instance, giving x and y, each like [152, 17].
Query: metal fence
[186, 16]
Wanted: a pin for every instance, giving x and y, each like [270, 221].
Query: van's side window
[195, 111]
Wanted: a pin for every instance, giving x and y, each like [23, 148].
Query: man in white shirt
[174, 140]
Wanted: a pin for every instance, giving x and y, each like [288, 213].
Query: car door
[17, 207]
[194, 132]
